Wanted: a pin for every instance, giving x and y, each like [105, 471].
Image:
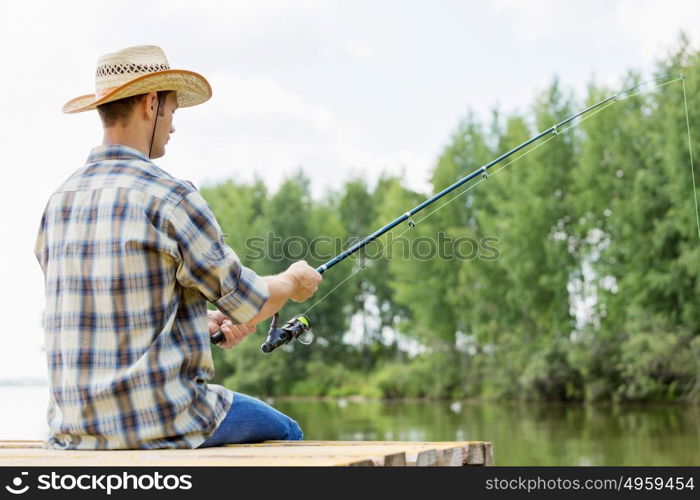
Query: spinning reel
[296, 328]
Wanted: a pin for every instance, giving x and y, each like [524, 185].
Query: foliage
[588, 290]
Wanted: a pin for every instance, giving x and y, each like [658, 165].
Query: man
[130, 256]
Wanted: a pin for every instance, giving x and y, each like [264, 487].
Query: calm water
[532, 434]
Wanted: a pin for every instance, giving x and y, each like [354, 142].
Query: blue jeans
[251, 421]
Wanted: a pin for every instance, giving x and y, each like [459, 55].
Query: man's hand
[233, 333]
[306, 280]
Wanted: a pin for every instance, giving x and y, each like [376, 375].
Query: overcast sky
[341, 88]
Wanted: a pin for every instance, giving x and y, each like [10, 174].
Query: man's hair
[118, 111]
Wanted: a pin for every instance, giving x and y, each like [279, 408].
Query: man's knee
[295, 433]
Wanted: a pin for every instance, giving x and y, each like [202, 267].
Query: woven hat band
[128, 69]
[111, 76]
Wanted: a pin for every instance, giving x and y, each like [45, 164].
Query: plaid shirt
[130, 257]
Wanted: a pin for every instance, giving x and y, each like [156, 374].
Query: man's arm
[209, 265]
[299, 282]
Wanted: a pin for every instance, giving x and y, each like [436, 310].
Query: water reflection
[522, 434]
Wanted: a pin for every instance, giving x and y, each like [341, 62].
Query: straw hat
[139, 70]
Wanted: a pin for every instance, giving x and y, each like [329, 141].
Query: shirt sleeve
[40, 248]
[210, 265]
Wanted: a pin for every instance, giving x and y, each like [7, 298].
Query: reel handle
[218, 337]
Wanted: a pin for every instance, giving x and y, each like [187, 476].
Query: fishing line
[357, 270]
[692, 167]
[626, 95]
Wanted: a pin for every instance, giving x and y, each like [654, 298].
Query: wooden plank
[488, 454]
[475, 454]
[308, 442]
[451, 457]
[21, 444]
[423, 458]
[148, 458]
[395, 460]
[446, 452]
[203, 462]
[205, 455]
[378, 453]
[384, 456]
[396, 454]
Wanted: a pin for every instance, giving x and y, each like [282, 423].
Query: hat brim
[192, 89]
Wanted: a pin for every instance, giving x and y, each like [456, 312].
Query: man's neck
[126, 137]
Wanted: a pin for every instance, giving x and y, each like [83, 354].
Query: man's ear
[150, 104]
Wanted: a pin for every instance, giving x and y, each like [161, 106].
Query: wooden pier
[269, 453]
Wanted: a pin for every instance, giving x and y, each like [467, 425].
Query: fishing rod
[300, 324]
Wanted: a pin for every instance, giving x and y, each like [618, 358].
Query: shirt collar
[114, 152]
